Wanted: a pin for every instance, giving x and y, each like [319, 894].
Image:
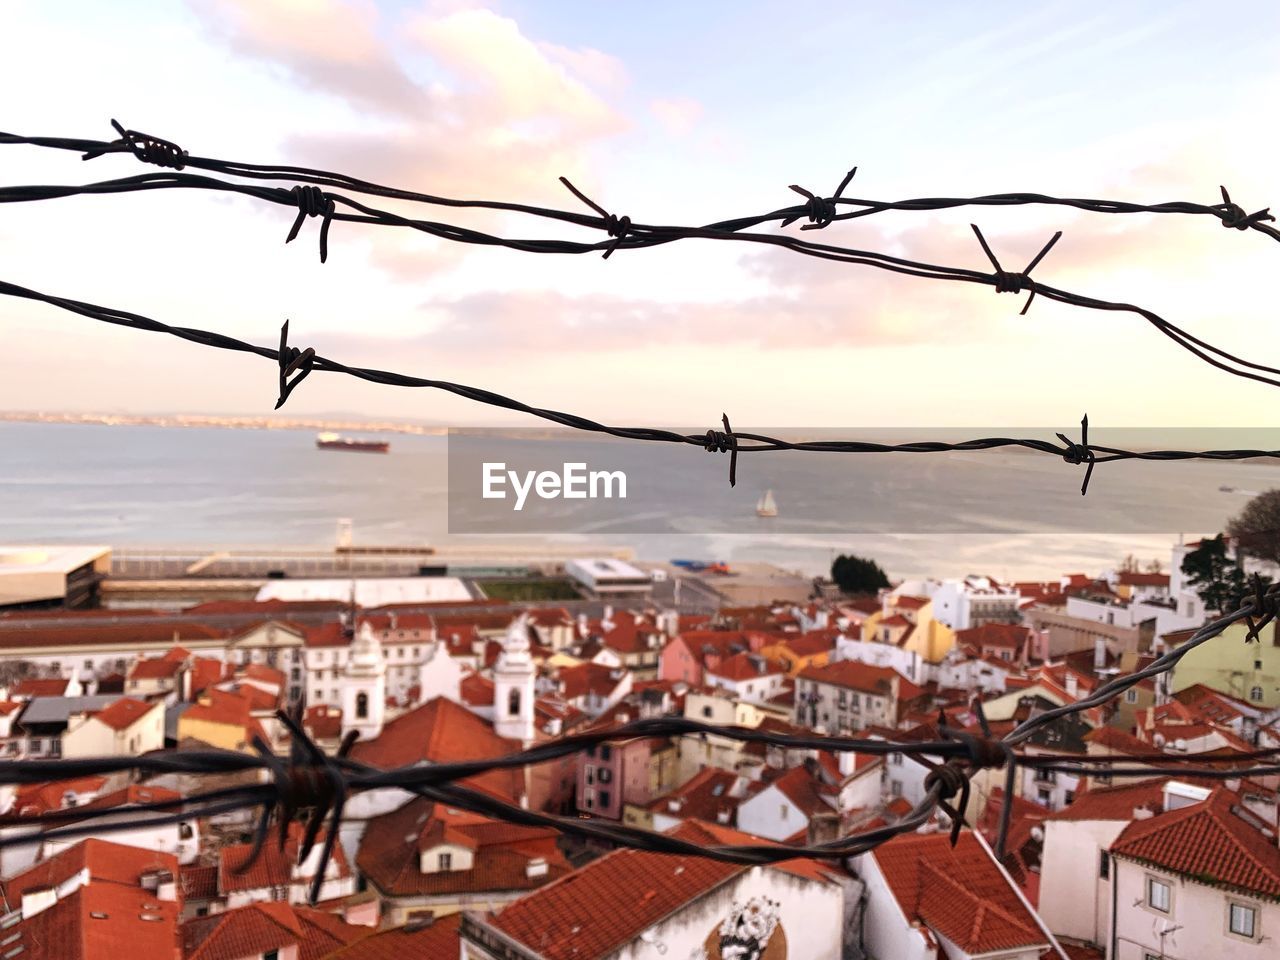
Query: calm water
[1022, 515]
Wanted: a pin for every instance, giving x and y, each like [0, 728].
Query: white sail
[766, 507]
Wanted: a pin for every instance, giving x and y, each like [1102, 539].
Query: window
[604, 798]
[783, 811]
[37, 745]
[1104, 865]
[843, 699]
[1131, 695]
[605, 774]
[513, 702]
[362, 706]
[591, 774]
[895, 788]
[88, 664]
[895, 759]
[271, 955]
[444, 861]
[1068, 797]
[1255, 693]
[1157, 895]
[706, 711]
[1043, 796]
[1242, 920]
[319, 695]
[606, 752]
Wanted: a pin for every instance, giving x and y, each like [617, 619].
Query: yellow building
[220, 719]
[1246, 671]
[909, 624]
[811, 649]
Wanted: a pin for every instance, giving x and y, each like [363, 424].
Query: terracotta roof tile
[441, 731]
[960, 892]
[1114, 803]
[40, 687]
[439, 939]
[124, 713]
[244, 932]
[393, 843]
[1207, 842]
[856, 676]
[604, 905]
[273, 867]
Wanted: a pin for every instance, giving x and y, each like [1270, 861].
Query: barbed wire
[309, 199]
[311, 783]
[308, 781]
[294, 365]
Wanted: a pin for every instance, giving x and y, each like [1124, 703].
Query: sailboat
[766, 507]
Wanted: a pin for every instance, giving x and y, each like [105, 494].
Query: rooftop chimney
[1099, 654]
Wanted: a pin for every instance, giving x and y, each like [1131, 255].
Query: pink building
[687, 656]
[613, 774]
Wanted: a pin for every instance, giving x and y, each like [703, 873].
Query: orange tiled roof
[746, 666]
[959, 892]
[124, 713]
[323, 722]
[40, 687]
[477, 690]
[1114, 803]
[1207, 842]
[704, 797]
[440, 939]
[609, 902]
[501, 852]
[273, 867]
[441, 731]
[1009, 635]
[855, 675]
[156, 668]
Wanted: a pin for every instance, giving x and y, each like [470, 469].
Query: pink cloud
[503, 117]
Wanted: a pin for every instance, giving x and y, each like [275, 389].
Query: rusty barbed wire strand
[307, 780]
[624, 233]
[300, 364]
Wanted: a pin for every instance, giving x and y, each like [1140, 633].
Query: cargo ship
[331, 441]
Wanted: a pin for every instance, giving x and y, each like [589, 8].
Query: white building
[514, 676]
[364, 686]
[1197, 881]
[1075, 867]
[125, 728]
[907, 662]
[964, 603]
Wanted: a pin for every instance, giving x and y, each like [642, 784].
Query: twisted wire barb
[297, 363]
[624, 233]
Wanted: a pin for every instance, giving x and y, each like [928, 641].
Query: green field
[556, 589]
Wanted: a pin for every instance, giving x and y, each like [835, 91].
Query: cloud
[501, 117]
[328, 45]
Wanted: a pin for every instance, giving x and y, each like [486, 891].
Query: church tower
[513, 677]
[364, 686]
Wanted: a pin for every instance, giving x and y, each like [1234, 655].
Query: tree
[858, 574]
[1129, 564]
[1217, 578]
[1153, 566]
[1257, 528]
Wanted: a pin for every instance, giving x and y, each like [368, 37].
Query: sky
[670, 113]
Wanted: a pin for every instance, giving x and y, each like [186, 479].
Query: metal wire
[624, 233]
[298, 364]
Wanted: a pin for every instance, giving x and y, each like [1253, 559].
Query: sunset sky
[671, 113]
